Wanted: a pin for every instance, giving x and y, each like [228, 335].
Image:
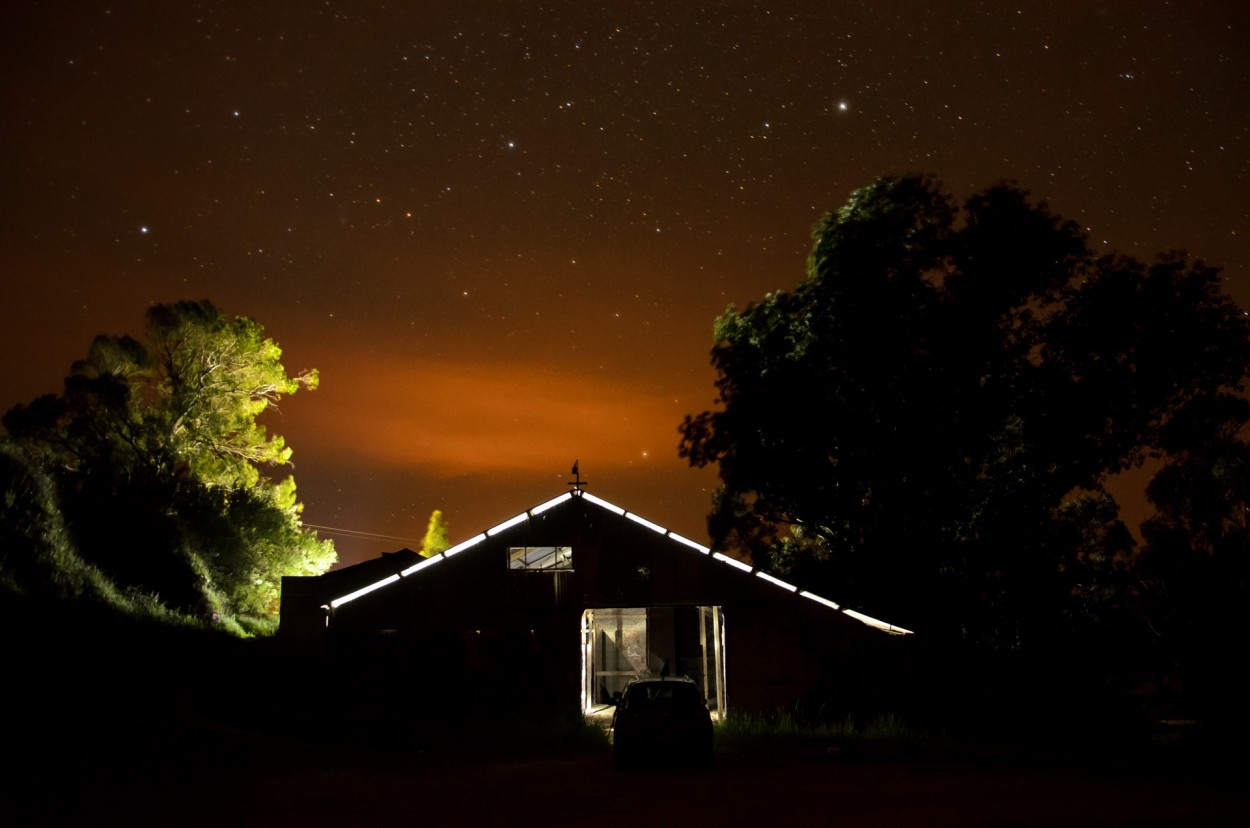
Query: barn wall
[508, 634]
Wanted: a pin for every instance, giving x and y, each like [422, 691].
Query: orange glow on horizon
[448, 417]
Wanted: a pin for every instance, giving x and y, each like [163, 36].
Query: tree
[437, 536]
[927, 403]
[162, 470]
[1196, 560]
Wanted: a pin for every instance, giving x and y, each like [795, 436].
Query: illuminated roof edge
[641, 521]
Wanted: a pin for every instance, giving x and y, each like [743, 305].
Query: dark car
[659, 721]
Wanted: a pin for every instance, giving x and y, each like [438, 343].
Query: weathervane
[577, 479]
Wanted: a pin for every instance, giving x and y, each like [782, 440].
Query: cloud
[449, 417]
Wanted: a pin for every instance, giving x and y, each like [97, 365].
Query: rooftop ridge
[636, 518]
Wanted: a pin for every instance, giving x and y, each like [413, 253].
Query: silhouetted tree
[1196, 557]
[938, 404]
[161, 467]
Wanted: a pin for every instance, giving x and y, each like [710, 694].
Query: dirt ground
[315, 786]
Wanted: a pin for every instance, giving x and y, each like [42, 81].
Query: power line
[355, 533]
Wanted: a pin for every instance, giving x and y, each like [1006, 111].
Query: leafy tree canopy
[164, 474]
[437, 535]
[923, 426]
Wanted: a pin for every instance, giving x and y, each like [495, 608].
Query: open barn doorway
[622, 643]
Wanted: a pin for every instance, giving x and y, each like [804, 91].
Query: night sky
[502, 230]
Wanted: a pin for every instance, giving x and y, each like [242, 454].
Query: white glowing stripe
[776, 581]
[698, 547]
[463, 545]
[732, 561]
[601, 502]
[507, 524]
[654, 527]
[352, 596]
[555, 501]
[819, 600]
[881, 625]
[417, 567]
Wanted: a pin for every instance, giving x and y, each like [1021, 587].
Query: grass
[783, 734]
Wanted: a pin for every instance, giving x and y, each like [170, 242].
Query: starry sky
[501, 231]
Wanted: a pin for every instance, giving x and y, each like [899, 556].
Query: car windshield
[663, 692]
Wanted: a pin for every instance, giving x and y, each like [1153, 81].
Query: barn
[567, 601]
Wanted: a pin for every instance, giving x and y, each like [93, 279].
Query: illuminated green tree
[436, 535]
[165, 477]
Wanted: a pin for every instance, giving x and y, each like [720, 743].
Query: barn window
[540, 558]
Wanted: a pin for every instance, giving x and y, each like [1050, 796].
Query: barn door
[622, 643]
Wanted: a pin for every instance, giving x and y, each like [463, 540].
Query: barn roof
[694, 548]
